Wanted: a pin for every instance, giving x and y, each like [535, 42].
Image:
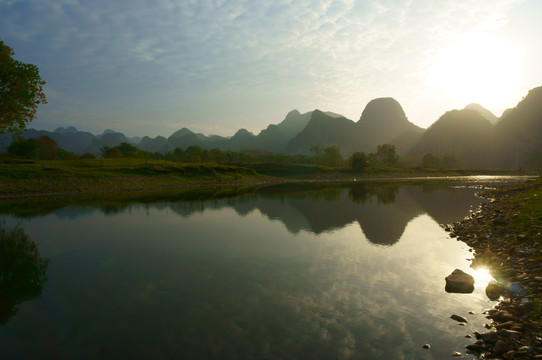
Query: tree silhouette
[21, 91]
[22, 271]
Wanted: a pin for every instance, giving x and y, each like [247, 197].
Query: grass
[104, 175]
[32, 177]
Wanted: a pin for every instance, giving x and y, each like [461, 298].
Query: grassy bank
[27, 177]
[30, 177]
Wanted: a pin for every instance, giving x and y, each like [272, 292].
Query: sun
[480, 69]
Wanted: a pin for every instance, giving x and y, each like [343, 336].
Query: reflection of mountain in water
[382, 211]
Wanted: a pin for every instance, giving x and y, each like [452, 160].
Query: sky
[152, 67]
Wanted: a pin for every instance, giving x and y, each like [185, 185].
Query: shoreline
[139, 184]
[506, 237]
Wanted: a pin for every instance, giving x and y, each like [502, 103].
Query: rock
[506, 325]
[461, 319]
[510, 334]
[475, 348]
[502, 316]
[457, 353]
[500, 347]
[459, 282]
[494, 290]
[426, 346]
[490, 337]
[499, 221]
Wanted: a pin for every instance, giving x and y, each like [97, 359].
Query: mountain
[159, 144]
[382, 121]
[519, 132]
[325, 130]
[466, 132]
[109, 138]
[275, 138]
[483, 111]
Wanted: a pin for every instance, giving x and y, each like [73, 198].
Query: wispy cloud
[168, 54]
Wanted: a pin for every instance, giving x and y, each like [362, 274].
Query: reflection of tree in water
[22, 271]
[363, 192]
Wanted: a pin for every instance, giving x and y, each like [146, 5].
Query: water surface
[330, 273]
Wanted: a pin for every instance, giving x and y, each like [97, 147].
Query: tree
[386, 154]
[332, 155]
[21, 91]
[359, 161]
[25, 148]
[430, 160]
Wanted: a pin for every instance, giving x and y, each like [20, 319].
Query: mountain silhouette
[484, 112]
[519, 132]
[323, 129]
[474, 134]
[465, 132]
[382, 121]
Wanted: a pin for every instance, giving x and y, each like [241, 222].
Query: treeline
[45, 148]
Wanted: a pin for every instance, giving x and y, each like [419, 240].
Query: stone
[502, 316]
[457, 353]
[426, 346]
[500, 347]
[510, 334]
[490, 337]
[475, 348]
[458, 318]
[499, 221]
[494, 290]
[459, 282]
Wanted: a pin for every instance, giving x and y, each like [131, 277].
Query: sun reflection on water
[481, 276]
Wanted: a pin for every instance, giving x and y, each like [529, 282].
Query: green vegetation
[19, 177]
[21, 91]
[22, 270]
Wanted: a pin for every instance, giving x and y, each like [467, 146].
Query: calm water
[336, 273]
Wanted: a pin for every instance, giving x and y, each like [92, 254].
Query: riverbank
[30, 178]
[506, 237]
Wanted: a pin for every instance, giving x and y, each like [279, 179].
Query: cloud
[328, 54]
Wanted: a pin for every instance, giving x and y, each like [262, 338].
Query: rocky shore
[506, 237]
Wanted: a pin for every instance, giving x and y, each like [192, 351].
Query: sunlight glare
[482, 277]
[478, 69]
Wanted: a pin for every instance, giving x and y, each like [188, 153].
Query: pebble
[512, 250]
[461, 319]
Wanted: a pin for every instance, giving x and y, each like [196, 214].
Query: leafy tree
[450, 160]
[431, 160]
[25, 148]
[21, 91]
[110, 152]
[386, 155]
[332, 155]
[359, 161]
[128, 150]
[65, 155]
[48, 148]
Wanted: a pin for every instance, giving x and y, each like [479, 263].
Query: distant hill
[275, 138]
[519, 133]
[484, 112]
[466, 132]
[325, 130]
[382, 121]
[476, 135]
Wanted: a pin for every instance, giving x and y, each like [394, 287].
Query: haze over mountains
[476, 135]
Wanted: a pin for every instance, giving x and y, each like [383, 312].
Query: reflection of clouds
[247, 286]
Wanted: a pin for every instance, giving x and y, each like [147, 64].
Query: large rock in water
[459, 282]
